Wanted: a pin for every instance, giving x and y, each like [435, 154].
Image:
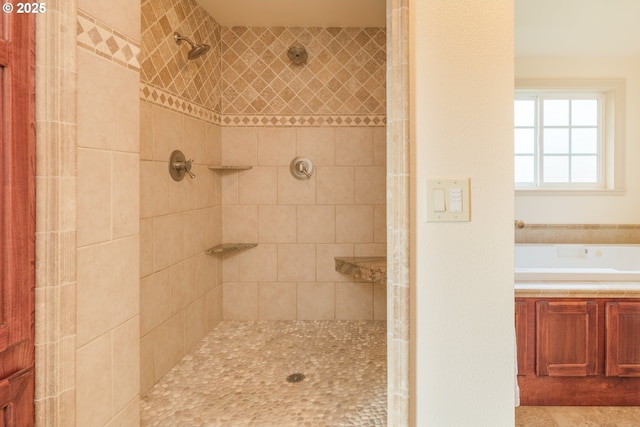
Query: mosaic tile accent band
[168, 100]
[98, 38]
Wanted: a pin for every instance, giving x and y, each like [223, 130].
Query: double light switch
[448, 200]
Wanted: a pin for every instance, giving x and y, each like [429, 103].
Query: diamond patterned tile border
[97, 37]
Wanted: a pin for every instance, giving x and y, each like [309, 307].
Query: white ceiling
[577, 27]
[543, 27]
[298, 13]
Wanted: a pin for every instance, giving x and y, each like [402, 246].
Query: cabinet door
[622, 339]
[566, 335]
[521, 336]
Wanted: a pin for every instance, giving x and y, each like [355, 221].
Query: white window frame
[611, 140]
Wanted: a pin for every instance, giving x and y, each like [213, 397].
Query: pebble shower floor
[237, 376]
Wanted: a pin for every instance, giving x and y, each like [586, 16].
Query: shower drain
[295, 378]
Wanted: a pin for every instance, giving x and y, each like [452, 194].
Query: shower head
[196, 49]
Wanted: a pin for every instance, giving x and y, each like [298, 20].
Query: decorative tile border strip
[97, 37]
[173, 102]
[304, 121]
[579, 233]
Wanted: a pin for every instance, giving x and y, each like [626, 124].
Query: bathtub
[569, 263]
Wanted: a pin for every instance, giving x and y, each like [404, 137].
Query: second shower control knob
[301, 168]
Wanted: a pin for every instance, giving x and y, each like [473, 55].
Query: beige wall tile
[258, 186]
[146, 131]
[259, 264]
[154, 189]
[206, 273]
[239, 146]
[104, 83]
[335, 185]
[206, 186]
[380, 146]
[146, 246]
[194, 236]
[370, 249]
[370, 185]
[317, 144]
[240, 224]
[155, 295]
[182, 194]
[380, 224]
[125, 209]
[125, 349]
[94, 196]
[354, 301]
[213, 231]
[94, 373]
[230, 267]
[316, 224]
[168, 133]
[295, 191]
[326, 265]
[213, 147]
[168, 345]
[276, 146]
[297, 263]
[169, 240]
[127, 417]
[276, 224]
[379, 301]
[182, 277]
[229, 184]
[277, 301]
[315, 301]
[240, 301]
[108, 288]
[195, 323]
[214, 307]
[354, 146]
[354, 224]
[117, 14]
[195, 137]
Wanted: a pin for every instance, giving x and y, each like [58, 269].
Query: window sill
[570, 192]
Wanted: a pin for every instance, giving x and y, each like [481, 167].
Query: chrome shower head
[196, 49]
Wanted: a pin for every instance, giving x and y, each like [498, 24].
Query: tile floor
[237, 377]
[577, 416]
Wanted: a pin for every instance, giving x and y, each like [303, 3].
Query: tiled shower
[244, 104]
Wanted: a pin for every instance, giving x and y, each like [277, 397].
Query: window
[568, 137]
[558, 140]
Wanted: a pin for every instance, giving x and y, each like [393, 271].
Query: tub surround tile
[579, 233]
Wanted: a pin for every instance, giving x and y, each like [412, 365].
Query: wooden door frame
[17, 227]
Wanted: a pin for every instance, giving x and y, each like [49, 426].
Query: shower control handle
[179, 165]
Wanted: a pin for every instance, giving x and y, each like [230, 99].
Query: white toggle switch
[438, 200]
[455, 199]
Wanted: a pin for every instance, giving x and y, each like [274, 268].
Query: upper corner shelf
[229, 167]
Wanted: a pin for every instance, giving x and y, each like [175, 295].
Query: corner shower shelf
[229, 247]
[224, 168]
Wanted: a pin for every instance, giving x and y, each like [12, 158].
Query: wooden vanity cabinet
[622, 339]
[575, 351]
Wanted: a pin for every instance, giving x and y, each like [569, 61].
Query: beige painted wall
[613, 208]
[462, 101]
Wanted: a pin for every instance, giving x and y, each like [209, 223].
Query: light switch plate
[435, 186]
